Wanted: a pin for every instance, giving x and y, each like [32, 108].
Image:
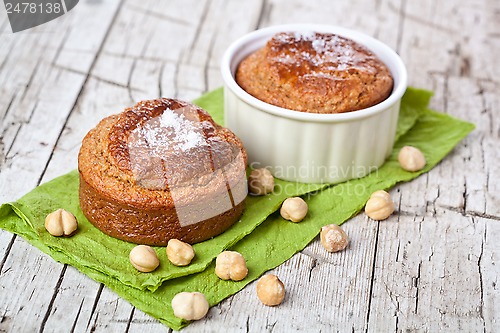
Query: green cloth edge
[82, 247]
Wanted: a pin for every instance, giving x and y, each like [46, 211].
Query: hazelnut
[179, 253]
[231, 265]
[260, 182]
[382, 194]
[294, 209]
[270, 290]
[144, 258]
[61, 223]
[333, 238]
[379, 206]
[190, 305]
[411, 159]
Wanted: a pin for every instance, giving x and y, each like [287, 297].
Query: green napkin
[112, 254]
[265, 246]
[63, 192]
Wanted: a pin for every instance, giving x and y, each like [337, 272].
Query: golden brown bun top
[179, 135]
[315, 72]
[148, 150]
[299, 56]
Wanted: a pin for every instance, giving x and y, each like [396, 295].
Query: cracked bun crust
[315, 72]
[161, 170]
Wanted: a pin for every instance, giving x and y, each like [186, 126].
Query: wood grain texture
[430, 267]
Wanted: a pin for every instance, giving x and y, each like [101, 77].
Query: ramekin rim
[230, 81]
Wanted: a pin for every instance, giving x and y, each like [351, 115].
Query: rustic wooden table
[432, 266]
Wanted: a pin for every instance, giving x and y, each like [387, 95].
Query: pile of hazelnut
[379, 206]
[231, 265]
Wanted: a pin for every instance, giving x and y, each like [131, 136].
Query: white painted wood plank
[74, 315]
[24, 287]
[39, 109]
[44, 97]
[98, 100]
[490, 272]
[142, 322]
[139, 61]
[470, 100]
[429, 274]
[324, 291]
[112, 313]
[427, 277]
[33, 143]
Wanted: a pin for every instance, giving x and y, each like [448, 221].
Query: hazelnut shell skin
[260, 182]
[190, 305]
[294, 209]
[179, 253]
[380, 206]
[61, 223]
[270, 290]
[411, 159]
[382, 194]
[231, 265]
[144, 258]
[333, 238]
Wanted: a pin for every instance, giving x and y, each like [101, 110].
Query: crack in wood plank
[76, 317]
[61, 46]
[94, 325]
[129, 90]
[9, 105]
[486, 109]
[402, 18]
[138, 57]
[416, 284]
[94, 306]
[5, 60]
[98, 78]
[176, 74]
[127, 328]
[30, 80]
[2, 152]
[7, 153]
[198, 29]
[209, 57]
[158, 15]
[7, 252]
[54, 295]
[160, 79]
[270, 326]
[262, 12]
[313, 265]
[480, 272]
[372, 278]
[394, 298]
[421, 20]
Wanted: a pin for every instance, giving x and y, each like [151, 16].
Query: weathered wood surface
[430, 267]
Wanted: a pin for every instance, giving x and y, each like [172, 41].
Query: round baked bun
[315, 72]
[162, 169]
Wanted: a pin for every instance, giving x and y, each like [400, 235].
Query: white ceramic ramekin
[309, 147]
